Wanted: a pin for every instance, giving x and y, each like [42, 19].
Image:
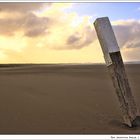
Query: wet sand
[62, 99]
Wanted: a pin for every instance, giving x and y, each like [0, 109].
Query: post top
[101, 19]
[106, 35]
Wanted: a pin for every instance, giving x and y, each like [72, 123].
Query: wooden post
[116, 69]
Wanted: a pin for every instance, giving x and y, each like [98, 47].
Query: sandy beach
[62, 99]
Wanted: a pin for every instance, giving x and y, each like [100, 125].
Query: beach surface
[62, 99]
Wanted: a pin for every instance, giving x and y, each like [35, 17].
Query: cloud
[34, 32]
[80, 40]
[34, 26]
[127, 33]
[22, 7]
[20, 17]
[29, 24]
[67, 30]
[73, 38]
[36, 35]
[48, 21]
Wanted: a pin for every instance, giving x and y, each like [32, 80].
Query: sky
[64, 32]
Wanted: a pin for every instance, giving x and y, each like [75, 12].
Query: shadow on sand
[120, 125]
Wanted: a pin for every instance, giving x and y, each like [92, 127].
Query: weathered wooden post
[116, 69]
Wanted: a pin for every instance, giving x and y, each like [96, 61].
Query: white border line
[70, 137]
[72, 1]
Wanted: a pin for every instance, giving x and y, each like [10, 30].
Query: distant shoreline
[56, 64]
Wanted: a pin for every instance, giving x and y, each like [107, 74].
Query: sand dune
[62, 99]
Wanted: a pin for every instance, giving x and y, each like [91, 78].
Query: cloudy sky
[64, 32]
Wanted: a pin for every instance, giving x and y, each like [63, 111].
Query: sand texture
[62, 99]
